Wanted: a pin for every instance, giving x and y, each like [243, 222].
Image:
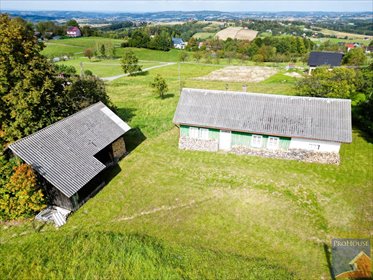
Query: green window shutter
[184, 130]
[241, 139]
[284, 143]
[213, 134]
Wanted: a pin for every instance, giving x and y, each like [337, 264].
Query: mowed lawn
[171, 214]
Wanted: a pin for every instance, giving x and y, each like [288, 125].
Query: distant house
[72, 154]
[178, 43]
[291, 127]
[331, 59]
[350, 46]
[73, 31]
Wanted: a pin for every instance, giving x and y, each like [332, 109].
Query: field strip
[65, 45]
[145, 69]
[164, 208]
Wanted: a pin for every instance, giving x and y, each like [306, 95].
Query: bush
[21, 196]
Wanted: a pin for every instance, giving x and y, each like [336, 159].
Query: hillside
[172, 214]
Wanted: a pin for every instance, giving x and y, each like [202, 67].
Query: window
[199, 133]
[193, 132]
[314, 147]
[203, 134]
[273, 142]
[256, 141]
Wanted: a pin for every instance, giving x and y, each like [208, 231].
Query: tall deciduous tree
[30, 93]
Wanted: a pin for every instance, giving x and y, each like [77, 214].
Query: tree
[103, 50]
[72, 22]
[65, 69]
[355, 57]
[159, 86]
[88, 53]
[197, 56]
[30, 91]
[183, 56]
[21, 197]
[339, 83]
[82, 92]
[130, 63]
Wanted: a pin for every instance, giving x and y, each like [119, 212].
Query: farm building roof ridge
[63, 153]
[292, 116]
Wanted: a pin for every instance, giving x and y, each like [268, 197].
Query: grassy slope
[203, 215]
[103, 68]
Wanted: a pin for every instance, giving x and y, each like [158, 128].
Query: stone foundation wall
[198, 144]
[119, 148]
[292, 154]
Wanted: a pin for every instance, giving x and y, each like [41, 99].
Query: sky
[191, 5]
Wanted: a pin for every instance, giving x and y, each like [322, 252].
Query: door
[225, 140]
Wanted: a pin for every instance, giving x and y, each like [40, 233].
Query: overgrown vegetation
[32, 96]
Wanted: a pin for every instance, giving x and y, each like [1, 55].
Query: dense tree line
[32, 96]
[268, 49]
[140, 38]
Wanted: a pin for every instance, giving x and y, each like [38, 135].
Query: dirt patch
[249, 74]
[294, 74]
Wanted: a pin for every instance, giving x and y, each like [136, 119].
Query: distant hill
[36, 16]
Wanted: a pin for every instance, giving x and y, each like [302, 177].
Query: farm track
[112, 78]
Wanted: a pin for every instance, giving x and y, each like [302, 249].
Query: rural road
[143, 70]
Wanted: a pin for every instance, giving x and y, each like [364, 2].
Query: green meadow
[172, 214]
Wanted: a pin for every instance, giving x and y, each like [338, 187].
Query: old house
[73, 31]
[72, 154]
[292, 127]
[331, 59]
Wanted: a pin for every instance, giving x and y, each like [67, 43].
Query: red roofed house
[73, 31]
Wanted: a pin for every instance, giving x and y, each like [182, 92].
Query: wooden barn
[71, 154]
[291, 127]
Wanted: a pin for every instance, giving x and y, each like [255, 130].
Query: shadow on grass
[126, 114]
[133, 138]
[168, 95]
[363, 134]
[328, 260]
[142, 73]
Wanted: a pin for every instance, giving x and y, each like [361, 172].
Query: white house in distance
[292, 127]
[179, 43]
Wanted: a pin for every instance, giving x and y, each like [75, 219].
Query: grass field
[171, 214]
[203, 35]
[337, 40]
[75, 46]
[103, 68]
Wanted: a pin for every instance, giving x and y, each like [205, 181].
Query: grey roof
[325, 58]
[291, 116]
[63, 153]
[177, 41]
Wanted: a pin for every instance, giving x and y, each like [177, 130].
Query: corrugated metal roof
[292, 116]
[63, 153]
[325, 58]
